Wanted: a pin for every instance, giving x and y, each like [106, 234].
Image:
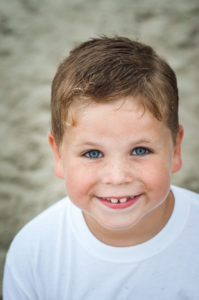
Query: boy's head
[107, 69]
[120, 103]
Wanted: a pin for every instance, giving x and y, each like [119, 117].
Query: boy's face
[116, 163]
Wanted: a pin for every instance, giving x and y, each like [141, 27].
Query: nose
[117, 172]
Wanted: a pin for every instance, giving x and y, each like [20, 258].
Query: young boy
[123, 232]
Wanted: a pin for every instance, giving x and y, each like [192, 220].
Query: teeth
[114, 200]
[122, 200]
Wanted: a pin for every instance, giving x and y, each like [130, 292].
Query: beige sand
[35, 36]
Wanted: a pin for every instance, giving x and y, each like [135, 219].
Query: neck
[144, 230]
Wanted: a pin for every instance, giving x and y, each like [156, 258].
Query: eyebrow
[143, 141]
[96, 144]
[88, 144]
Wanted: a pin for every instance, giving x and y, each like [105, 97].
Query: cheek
[79, 181]
[156, 177]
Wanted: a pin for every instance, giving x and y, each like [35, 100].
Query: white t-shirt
[56, 257]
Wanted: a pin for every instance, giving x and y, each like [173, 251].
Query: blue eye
[93, 154]
[140, 151]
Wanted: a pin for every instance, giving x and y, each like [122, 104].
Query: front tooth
[122, 200]
[113, 200]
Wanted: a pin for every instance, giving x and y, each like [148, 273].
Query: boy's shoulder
[186, 194]
[44, 225]
[53, 213]
[187, 208]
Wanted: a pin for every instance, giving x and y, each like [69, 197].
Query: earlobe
[58, 165]
[177, 158]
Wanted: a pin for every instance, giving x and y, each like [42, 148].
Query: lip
[128, 203]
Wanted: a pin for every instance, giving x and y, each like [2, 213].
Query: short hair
[108, 68]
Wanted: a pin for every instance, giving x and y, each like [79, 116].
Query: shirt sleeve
[19, 280]
[14, 286]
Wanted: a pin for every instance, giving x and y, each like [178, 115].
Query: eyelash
[99, 154]
[95, 151]
[146, 151]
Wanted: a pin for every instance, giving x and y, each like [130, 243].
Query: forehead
[80, 110]
[115, 118]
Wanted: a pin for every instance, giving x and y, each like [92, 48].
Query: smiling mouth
[119, 202]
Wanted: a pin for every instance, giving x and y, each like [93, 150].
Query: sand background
[35, 35]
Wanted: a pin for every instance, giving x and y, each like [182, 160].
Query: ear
[177, 159]
[58, 165]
